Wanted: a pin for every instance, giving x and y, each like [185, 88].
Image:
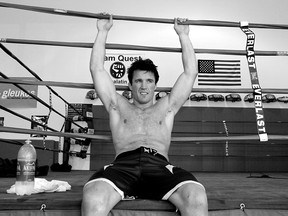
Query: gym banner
[117, 66]
[257, 91]
[13, 97]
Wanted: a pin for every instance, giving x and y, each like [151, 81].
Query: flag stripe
[223, 72]
[226, 61]
[228, 64]
[227, 69]
[219, 72]
[207, 76]
[222, 84]
[220, 80]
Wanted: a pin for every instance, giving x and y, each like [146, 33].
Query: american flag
[219, 72]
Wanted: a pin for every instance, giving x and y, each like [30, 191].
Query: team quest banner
[117, 66]
[13, 97]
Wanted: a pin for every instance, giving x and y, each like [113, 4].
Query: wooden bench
[144, 207]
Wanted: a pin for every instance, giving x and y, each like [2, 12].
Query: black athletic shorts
[143, 173]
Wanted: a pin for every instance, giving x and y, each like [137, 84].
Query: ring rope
[57, 134]
[8, 52]
[124, 88]
[104, 137]
[213, 121]
[44, 148]
[138, 19]
[41, 101]
[233, 155]
[24, 117]
[230, 138]
[72, 153]
[28, 119]
[140, 48]
[36, 147]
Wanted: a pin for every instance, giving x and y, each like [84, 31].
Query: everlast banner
[257, 92]
[13, 97]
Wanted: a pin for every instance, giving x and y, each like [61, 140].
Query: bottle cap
[28, 141]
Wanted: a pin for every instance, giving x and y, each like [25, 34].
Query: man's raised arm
[103, 84]
[184, 84]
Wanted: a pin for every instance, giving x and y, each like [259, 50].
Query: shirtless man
[141, 133]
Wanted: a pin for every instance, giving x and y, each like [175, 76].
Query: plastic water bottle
[26, 164]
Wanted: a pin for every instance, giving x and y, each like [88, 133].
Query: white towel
[42, 185]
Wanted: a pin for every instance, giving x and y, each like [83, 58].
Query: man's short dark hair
[143, 64]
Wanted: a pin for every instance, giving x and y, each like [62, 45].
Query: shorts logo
[117, 70]
[106, 166]
[170, 168]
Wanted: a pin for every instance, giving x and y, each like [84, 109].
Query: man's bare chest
[147, 120]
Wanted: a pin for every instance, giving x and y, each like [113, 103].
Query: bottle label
[25, 170]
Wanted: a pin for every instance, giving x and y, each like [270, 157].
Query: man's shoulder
[164, 105]
[123, 101]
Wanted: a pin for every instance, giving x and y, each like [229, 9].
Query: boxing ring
[228, 194]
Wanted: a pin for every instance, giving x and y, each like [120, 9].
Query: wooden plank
[224, 191]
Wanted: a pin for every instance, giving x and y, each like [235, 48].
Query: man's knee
[194, 195]
[190, 196]
[99, 197]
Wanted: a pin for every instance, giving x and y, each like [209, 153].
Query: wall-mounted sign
[118, 64]
[13, 97]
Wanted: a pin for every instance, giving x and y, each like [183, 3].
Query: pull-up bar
[139, 19]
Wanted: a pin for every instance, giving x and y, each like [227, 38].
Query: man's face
[143, 86]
